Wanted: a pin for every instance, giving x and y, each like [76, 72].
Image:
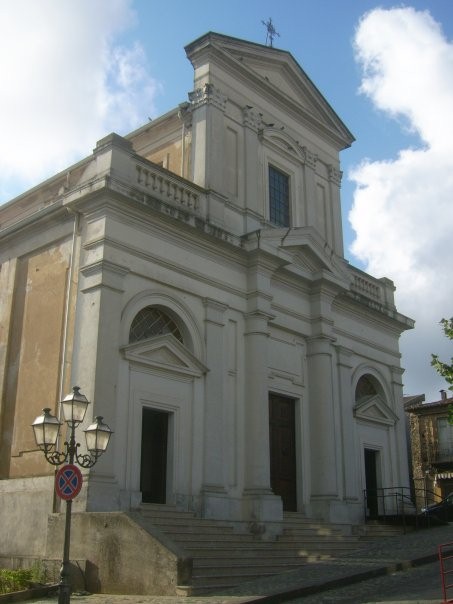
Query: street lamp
[46, 428]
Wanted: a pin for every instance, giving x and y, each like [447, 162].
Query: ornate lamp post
[46, 428]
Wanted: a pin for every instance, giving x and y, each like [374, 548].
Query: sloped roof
[416, 404]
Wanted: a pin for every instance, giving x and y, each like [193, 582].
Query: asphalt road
[420, 585]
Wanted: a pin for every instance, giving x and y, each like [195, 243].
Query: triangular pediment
[374, 409]
[273, 73]
[164, 352]
[308, 251]
[284, 77]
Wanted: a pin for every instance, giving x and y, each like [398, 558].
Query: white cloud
[403, 208]
[66, 82]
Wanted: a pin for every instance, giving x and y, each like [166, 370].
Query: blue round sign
[68, 482]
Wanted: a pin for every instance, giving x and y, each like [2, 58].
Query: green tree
[445, 369]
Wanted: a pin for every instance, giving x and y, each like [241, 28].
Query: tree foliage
[442, 368]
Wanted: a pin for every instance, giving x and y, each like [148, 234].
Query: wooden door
[282, 437]
[371, 482]
[153, 469]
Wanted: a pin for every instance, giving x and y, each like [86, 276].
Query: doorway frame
[150, 366]
[296, 434]
[377, 451]
[177, 416]
[169, 457]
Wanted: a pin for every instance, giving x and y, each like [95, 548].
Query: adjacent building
[190, 278]
[431, 440]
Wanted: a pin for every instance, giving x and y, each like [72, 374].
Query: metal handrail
[397, 503]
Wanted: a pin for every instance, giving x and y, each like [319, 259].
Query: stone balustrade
[371, 288]
[380, 292]
[167, 187]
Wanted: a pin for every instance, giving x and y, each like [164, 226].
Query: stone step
[309, 539]
[226, 554]
[232, 562]
[189, 529]
[195, 537]
[229, 553]
[232, 578]
[382, 533]
[243, 542]
[185, 521]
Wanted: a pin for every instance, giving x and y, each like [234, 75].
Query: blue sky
[73, 71]
[320, 37]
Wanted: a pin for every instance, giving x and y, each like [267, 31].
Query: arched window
[367, 386]
[150, 322]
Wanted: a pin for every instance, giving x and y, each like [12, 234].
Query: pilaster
[7, 279]
[400, 435]
[95, 364]
[324, 471]
[261, 503]
[309, 169]
[350, 480]
[208, 106]
[335, 177]
[253, 192]
[215, 503]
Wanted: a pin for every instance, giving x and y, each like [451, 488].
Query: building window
[278, 197]
[150, 322]
[445, 440]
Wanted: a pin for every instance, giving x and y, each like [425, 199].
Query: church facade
[190, 278]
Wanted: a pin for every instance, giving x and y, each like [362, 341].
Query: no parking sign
[68, 482]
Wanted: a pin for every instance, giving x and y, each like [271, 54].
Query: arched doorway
[164, 383]
[371, 410]
[149, 323]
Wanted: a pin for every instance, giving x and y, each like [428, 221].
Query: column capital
[214, 311]
[309, 157]
[103, 274]
[251, 118]
[321, 344]
[335, 175]
[344, 356]
[208, 95]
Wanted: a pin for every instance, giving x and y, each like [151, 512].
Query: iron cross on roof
[271, 31]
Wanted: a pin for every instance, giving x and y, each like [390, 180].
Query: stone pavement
[377, 558]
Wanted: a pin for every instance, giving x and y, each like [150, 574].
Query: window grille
[278, 197]
[150, 322]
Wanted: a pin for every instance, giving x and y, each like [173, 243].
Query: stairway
[373, 530]
[224, 555]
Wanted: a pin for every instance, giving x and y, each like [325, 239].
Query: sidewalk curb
[308, 590]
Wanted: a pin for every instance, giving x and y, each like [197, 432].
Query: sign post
[68, 482]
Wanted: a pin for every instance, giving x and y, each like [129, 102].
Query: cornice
[388, 314]
[177, 268]
[38, 222]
